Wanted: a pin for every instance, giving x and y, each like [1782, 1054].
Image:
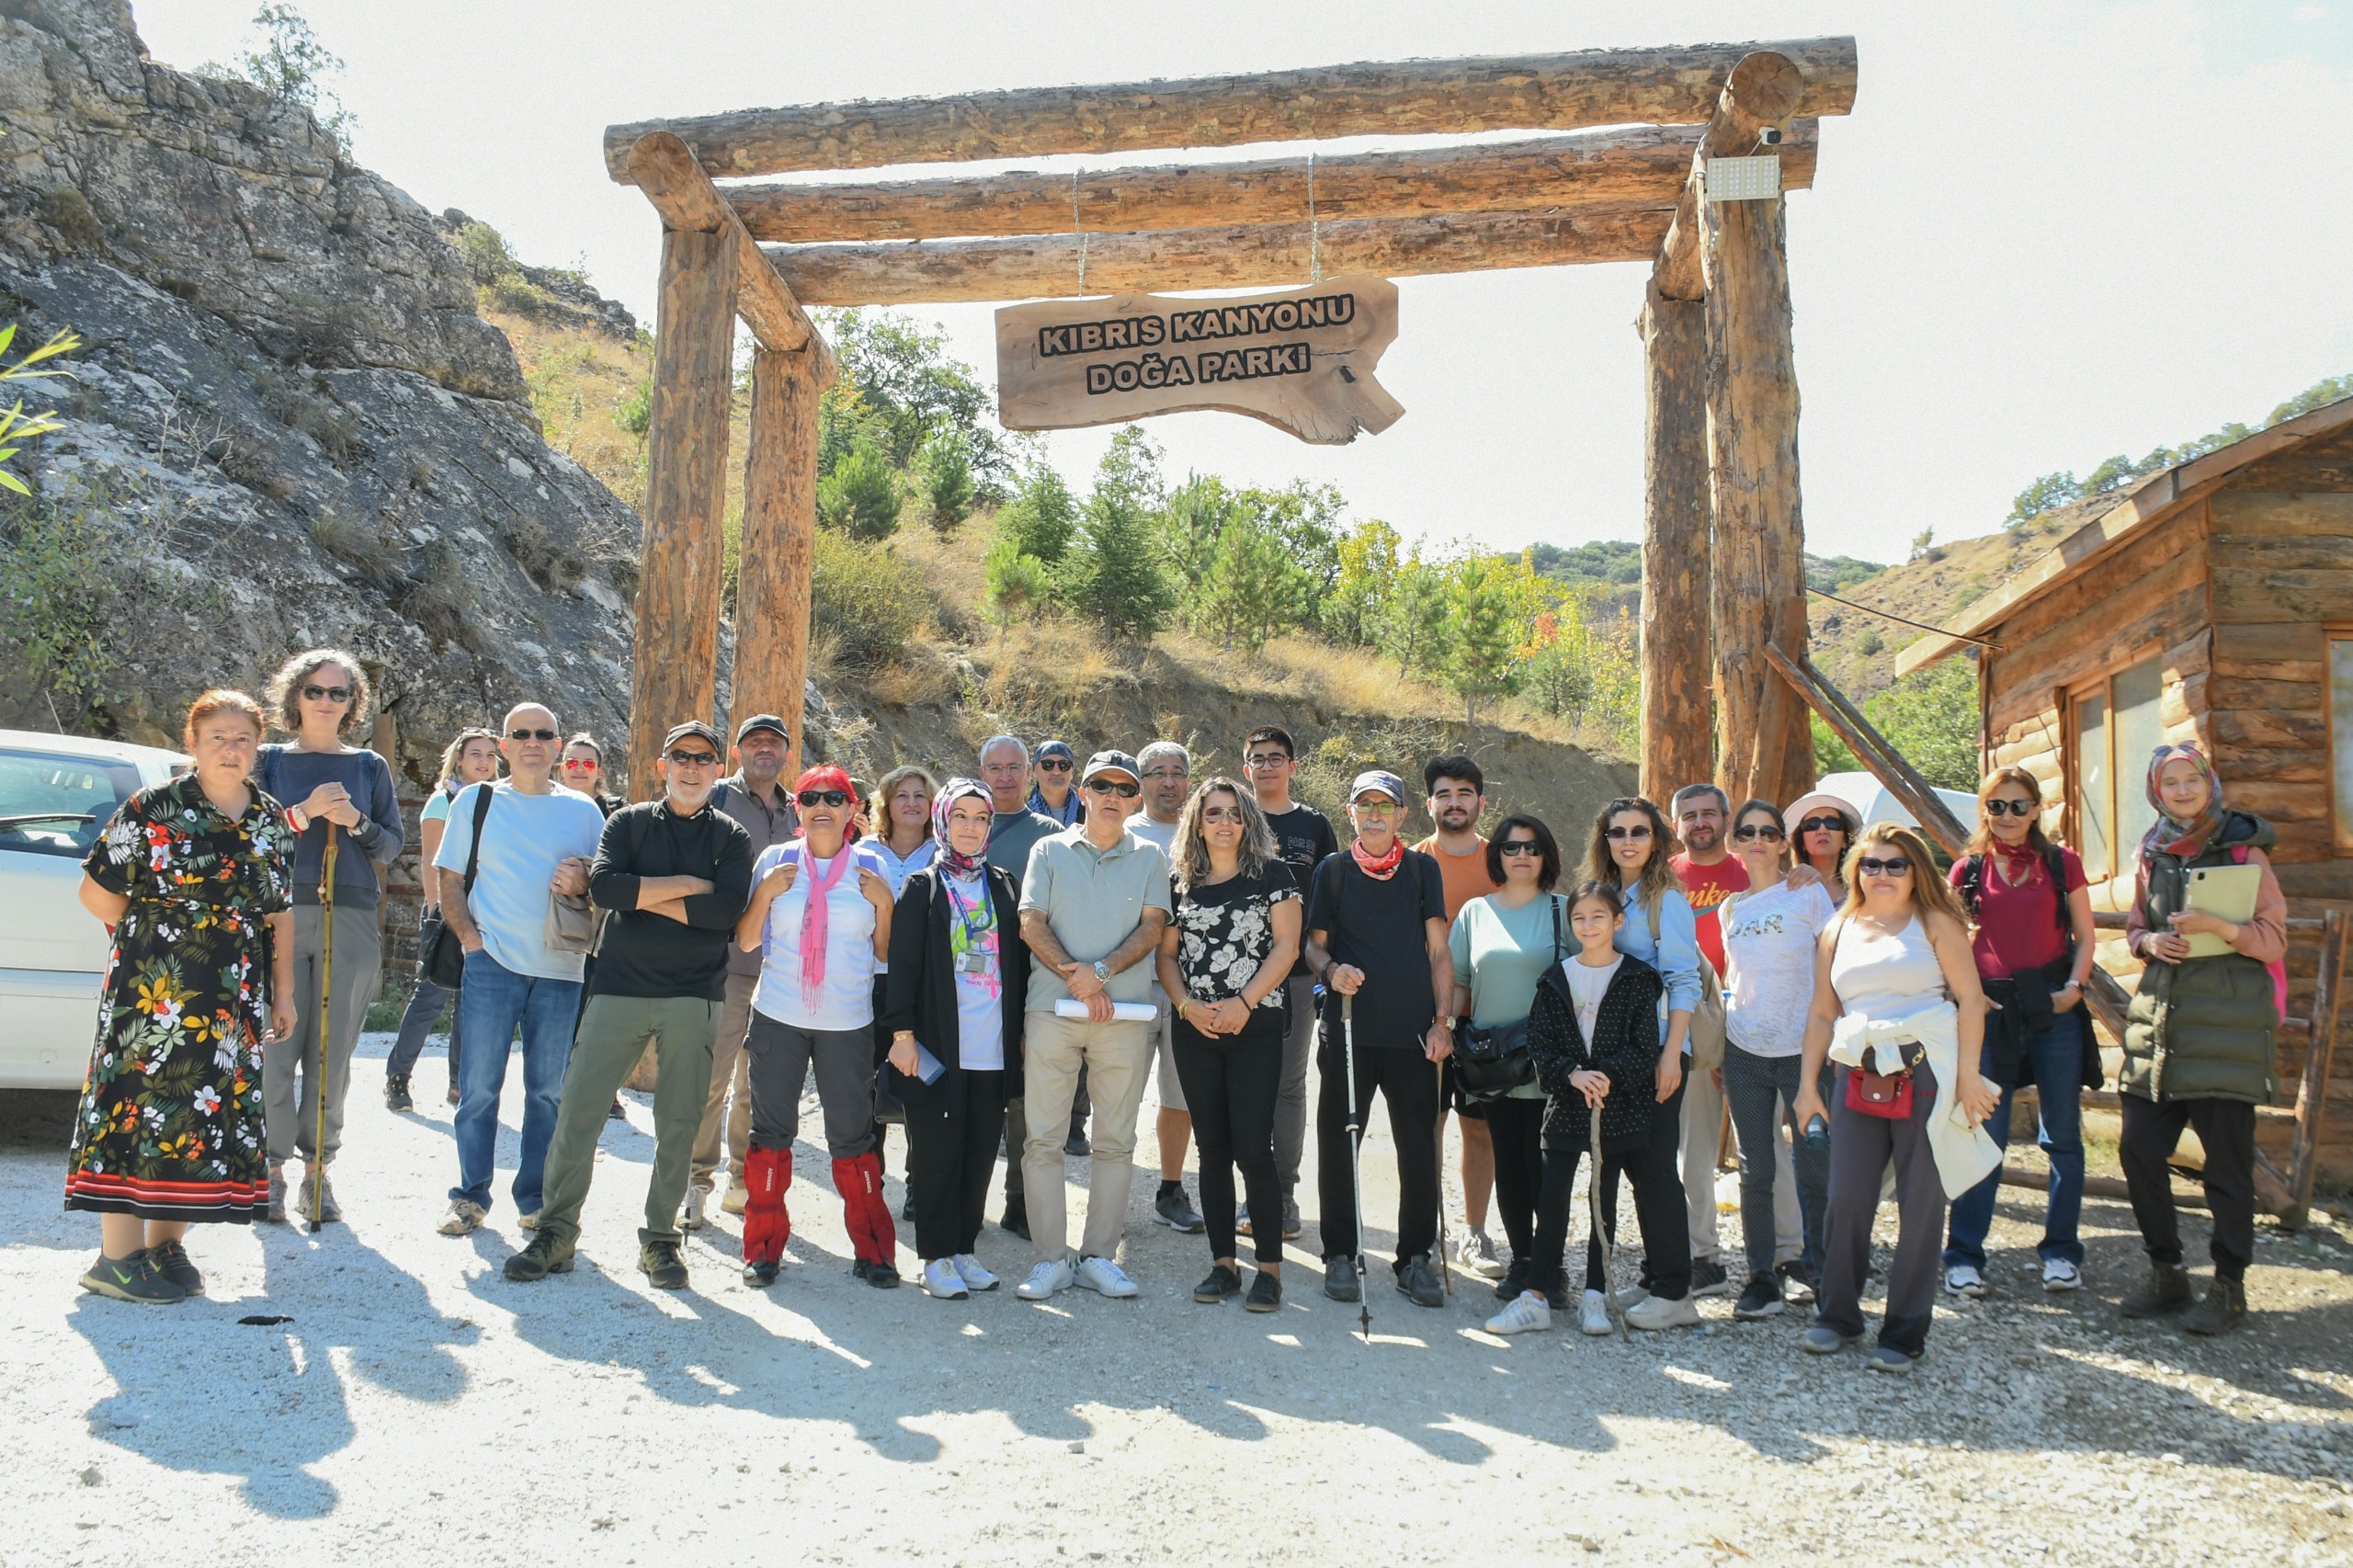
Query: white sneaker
[1528, 1312]
[1476, 1253]
[968, 1269]
[1593, 1314]
[465, 1218]
[1105, 1278]
[694, 1218]
[1045, 1279]
[1962, 1280]
[941, 1280]
[2058, 1274]
[1657, 1313]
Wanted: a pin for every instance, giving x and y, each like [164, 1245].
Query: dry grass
[578, 382]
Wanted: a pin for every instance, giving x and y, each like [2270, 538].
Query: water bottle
[1817, 1132]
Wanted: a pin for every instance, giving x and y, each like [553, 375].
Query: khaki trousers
[730, 1076]
[1116, 1056]
[290, 1067]
[614, 1033]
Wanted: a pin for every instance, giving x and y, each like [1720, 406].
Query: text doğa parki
[1218, 323]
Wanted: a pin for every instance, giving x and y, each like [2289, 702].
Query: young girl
[1593, 1035]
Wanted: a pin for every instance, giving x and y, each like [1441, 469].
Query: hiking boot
[2223, 1309]
[396, 1095]
[1077, 1147]
[2166, 1291]
[760, 1275]
[1340, 1281]
[171, 1260]
[1797, 1282]
[1170, 1210]
[132, 1278]
[1654, 1313]
[663, 1266]
[1417, 1282]
[697, 1213]
[1761, 1299]
[1528, 1313]
[1017, 1220]
[1265, 1293]
[1515, 1280]
[1219, 1283]
[274, 1213]
[322, 1190]
[544, 1256]
[1475, 1254]
[465, 1218]
[1708, 1278]
[881, 1276]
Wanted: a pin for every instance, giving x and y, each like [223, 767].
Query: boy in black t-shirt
[1305, 838]
[1376, 932]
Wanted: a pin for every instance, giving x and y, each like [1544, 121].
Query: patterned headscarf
[958, 865]
[2168, 834]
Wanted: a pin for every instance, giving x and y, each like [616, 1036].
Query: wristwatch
[1102, 971]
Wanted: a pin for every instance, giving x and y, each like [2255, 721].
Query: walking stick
[1601, 1231]
[1445, 1272]
[327, 996]
[1356, 1158]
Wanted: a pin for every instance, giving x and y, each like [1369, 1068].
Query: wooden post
[2312, 1090]
[678, 585]
[779, 535]
[1764, 744]
[1677, 731]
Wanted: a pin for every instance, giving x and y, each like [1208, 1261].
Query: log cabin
[2211, 603]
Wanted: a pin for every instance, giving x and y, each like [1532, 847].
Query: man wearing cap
[1094, 901]
[676, 873]
[754, 795]
[1014, 831]
[1055, 794]
[1377, 935]
[1167, 780]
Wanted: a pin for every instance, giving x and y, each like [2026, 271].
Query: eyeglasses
[1822, 825]
[331, 693]
[1872, 866]
[1166, 774]
[581, 765]
[531, 735]
[1766, 831]
[1376, 806]
[1640, 830]
[1125, 790]
[822, 798]
[1053, 765]
[1265, 759]
[2013, 808]
[690, 758]
[1220, 813]
[1518, 847]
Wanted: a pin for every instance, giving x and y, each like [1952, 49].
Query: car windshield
[34, 784]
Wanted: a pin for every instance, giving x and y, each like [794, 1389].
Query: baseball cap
[761, 722]
[1110, 762]
[1376, 780]
[694, 727]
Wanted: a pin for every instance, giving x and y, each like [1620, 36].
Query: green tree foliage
[1192, 523]
[1929, 716]
[903, 391]
[1412, 621]
[1042, 517]
[1253, 588]
[2320, 394]
[484, 251]
[1486, 609]
[1365, 574]
[1581, 667]
[285, 59]
[15, 425]
[1116, 574]
[1836, 574]
[944, 470]
[862, 496]
[1017, 585]
[866, 599]
[1618, 562]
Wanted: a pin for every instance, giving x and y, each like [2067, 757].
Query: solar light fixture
[1754, 178]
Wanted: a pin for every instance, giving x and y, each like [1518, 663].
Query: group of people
[1000, 960]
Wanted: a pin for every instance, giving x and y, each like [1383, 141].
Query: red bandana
[1383, 868]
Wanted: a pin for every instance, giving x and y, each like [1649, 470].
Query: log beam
[1633, 166]
[676, 649]
[1764, 745]
[1236, 257]
[1764, 89]
[772, 574]
[688, 202]
[1677, 731]
[1675, 86]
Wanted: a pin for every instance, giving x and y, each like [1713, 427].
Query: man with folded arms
[676, 873]
[1094, 901]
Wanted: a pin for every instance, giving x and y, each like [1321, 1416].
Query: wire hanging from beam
[1078, 227]
[1915, 625]
[1315, 234]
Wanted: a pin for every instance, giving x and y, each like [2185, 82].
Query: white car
[57, 793]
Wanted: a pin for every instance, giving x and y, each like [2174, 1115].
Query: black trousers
[2226, 1129]
[1656, 1170]
[1516, 1128]
[952, 1131]
[1230, 1084]
[1409, 1081]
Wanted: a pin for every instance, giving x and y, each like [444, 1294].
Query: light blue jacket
[1675, 954]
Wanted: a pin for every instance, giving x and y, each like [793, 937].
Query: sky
[2047, 235]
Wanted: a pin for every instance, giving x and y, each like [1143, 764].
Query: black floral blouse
[1225, 930]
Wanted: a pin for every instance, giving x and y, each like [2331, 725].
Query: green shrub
[864, 597]
[862, 496]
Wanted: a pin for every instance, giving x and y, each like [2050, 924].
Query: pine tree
[1117, 575]
[1042, 516]
[1484, 631]
[1353, 611]
[1412, 628]
[861, 496]
[1016, 583]
[1252, 590]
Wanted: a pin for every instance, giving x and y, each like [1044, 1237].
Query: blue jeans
[2055, 1056]
[494, 1000]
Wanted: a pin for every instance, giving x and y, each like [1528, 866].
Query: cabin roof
[2130, 511]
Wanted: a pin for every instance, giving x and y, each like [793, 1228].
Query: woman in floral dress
[194, 876]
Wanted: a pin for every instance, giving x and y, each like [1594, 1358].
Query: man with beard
[1305, 838]
[1456, 790]
[1167, 780]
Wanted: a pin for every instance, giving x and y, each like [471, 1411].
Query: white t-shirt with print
[1769, 939]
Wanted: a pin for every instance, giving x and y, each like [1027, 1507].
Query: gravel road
[411, 1405]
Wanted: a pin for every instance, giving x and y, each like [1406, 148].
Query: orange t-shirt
[1465, 876]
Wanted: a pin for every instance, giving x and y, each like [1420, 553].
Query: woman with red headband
[820, 916]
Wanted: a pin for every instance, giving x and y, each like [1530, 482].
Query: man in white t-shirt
[820, 917]
[1167, 782]
[537, 840]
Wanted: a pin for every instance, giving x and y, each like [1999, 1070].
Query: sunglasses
[1519, 848]
[531, 735]
[1053, 764]
[1126, 792]
[584, 764]
[1637, 831]
[331, 693]
[822, 798]
[1220, 813]
[1766, 831]
[2013, 808]
[1872, 866]
[690, 758]
[1822, 825]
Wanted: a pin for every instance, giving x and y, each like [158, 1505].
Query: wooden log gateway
[772, 588]
[1675, 86]
[1632, 168]
[1678, 742]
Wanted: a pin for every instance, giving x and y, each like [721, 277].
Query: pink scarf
[816, 922]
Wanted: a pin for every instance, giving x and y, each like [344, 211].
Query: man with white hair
[1167, 782]
[1013, 829]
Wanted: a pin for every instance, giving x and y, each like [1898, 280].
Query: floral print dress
[170, 1126]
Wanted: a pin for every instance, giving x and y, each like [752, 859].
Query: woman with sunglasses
[470, 758]
[953, 1013]
[1223, 961]
[332, 787]
[2199, 1035]
[584, 770]
[1822, 828]
[1769, 934]
[820, 916]
[2030, 907]
[1631, 850]
[1897, 1006]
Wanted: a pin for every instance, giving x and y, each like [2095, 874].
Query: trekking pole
[1355, 1159]
[1600, 1231]
[1445, 1273]
[326, 995]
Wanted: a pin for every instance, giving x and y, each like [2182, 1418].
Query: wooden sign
[1302, 359]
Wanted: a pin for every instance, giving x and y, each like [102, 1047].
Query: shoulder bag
[440, 957]
[1887, 1095]
[1491, 1063]
[1705, 1037]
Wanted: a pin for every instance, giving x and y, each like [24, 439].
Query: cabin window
[2340, 736]
[2115, 723]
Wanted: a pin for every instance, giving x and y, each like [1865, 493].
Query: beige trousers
[1116, 1056]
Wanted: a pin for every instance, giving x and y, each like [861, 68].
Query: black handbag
[1491, 1063]
[440, 957]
